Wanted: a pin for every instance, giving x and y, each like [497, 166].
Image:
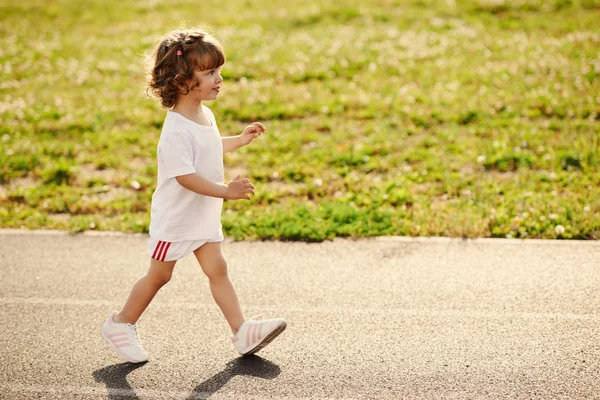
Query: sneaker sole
[268, 339]
[121, 354]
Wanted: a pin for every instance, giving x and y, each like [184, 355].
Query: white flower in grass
[136, 185]
[481, 159]
[559, 229]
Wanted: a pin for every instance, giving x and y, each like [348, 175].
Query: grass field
[421, 118]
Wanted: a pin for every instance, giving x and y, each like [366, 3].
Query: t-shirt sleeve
[175, 152]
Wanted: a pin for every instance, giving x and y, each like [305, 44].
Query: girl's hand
[239, 189]
[251, 132]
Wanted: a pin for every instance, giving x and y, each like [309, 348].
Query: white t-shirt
[185, 147]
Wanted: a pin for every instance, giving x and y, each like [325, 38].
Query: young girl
[187, 202]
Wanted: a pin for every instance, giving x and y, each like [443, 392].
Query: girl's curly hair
[177, 56]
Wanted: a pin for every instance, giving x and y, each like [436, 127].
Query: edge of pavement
[417, 239]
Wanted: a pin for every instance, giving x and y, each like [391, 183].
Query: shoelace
[133, 335]
[254, 318]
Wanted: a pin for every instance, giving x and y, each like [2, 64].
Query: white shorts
[172, 251]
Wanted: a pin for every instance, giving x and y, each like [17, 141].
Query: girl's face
[210, 84]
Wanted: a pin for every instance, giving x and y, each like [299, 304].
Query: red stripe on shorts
[156, 249]
[165, 251]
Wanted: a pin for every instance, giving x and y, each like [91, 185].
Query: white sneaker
[124, 339]
[254, 335]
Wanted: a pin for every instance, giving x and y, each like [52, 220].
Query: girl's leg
[144, 290]
[214, 266]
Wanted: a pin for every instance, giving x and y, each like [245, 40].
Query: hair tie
[179, 52]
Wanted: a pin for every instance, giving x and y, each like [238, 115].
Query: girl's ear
[191, 84]
[194, 82]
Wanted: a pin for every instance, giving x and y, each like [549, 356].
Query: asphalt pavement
[385, 318]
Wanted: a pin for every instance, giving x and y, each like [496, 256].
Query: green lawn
[421, 117]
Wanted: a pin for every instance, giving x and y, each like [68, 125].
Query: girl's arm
[251, 132]
[231, 143]
[234, 190]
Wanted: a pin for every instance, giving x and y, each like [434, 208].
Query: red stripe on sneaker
[255, 334]
[112, 335]
[165, 251]
[248, 333]
[260, 330]
[156, 249]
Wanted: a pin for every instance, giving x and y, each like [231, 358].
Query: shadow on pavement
[248, 365]
[115, 379]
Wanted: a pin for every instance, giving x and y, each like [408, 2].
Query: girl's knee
[160, 279]
[216, 270]
[160, 276]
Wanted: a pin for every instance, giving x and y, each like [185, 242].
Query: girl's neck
[192, 112]
[188, 107]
